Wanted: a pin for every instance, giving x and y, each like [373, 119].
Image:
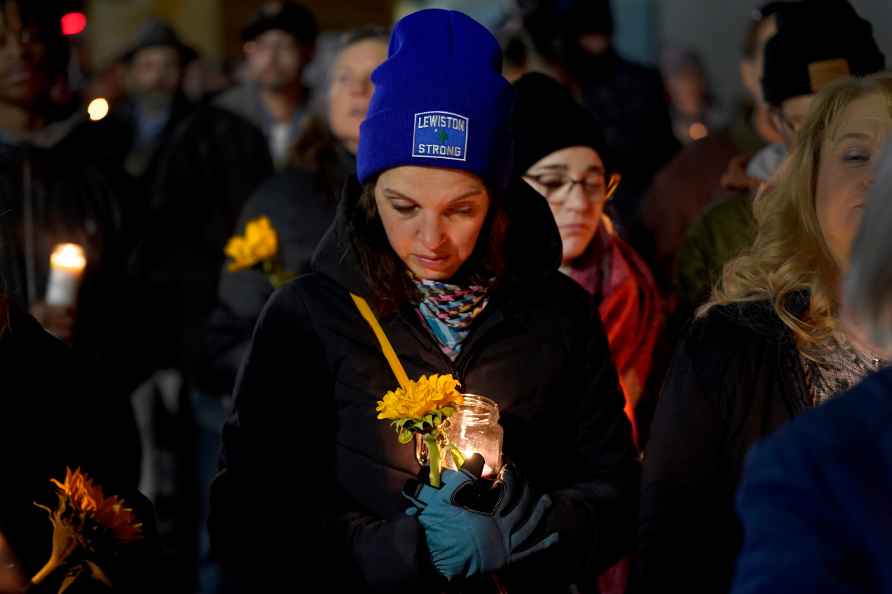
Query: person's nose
[431, 232]
[576, 198]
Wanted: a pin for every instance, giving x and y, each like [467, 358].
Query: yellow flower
[420, 398]
[259, 243]
[80, 521]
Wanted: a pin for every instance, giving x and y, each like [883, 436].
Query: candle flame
[68, 256]
[98, 109]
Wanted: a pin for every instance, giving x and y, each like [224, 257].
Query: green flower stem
[457, 456]
[434, 457]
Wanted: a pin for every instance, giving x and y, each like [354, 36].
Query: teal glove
[465, 536]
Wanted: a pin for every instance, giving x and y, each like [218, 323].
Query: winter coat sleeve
[273, 502]
[683, 525]
[794, 541]
[595, 516]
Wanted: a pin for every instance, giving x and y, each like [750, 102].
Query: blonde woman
[766, 347]
[842, 451]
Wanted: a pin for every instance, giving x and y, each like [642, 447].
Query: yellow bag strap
[389, 354]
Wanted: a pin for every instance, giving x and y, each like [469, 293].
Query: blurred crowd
[715, 244]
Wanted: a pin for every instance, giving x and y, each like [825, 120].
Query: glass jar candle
[473, 429]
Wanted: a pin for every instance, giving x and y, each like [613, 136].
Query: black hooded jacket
[304, 458]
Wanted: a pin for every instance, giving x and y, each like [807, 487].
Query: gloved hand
[465, 538]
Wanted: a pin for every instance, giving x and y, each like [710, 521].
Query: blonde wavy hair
[790, 254]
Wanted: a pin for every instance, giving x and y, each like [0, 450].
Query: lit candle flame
[68, 256]
[97, 109]
[487, 469]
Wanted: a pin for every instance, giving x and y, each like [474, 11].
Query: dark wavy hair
[391, 287]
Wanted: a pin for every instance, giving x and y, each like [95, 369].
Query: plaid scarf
[449, 310]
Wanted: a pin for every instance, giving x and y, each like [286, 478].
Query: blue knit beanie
[440, 100]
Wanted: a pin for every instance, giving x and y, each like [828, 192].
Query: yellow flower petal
[419, 398]
[260, 243]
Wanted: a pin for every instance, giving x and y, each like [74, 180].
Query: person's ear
[249, 47]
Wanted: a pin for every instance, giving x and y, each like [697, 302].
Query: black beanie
[817, 41]
[554, 26]
[548, 119]
[290, 17]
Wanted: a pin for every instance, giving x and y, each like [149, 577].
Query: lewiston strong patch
[440, 135]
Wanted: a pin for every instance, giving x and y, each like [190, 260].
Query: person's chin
[432, 271]
[574, 245]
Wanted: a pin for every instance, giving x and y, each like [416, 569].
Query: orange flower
[109, 512]
[83, 508]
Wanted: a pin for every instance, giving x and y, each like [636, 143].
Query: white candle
[67, 264]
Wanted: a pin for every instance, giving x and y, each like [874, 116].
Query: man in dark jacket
[155, 103]
[279, 42]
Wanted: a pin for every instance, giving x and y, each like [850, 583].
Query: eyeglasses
[557, 188]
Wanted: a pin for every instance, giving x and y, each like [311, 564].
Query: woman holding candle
[768, 346]
[461, 272]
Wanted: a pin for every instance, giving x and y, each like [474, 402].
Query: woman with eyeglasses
[563, 157]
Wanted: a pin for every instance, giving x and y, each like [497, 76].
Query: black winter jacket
[215, 162]
[300, 205]
[305, 459]
[735, 378]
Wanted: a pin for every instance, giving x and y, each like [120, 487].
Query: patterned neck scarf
[840, 367]
[449, 310]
